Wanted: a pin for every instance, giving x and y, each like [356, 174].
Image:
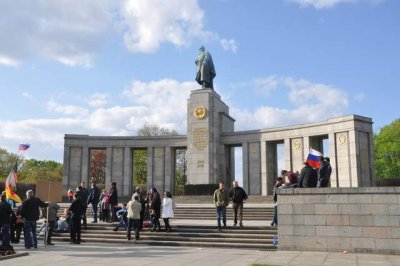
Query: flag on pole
[313, 158]
[24, 146]
[11, 185]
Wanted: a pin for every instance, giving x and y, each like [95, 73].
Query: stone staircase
[193, 225]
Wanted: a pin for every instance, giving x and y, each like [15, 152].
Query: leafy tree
[151, 130]
[387, 151]
[34, 170]
[181, 171]
[98, 165]
[7, 161]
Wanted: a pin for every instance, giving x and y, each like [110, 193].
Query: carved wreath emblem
[200, 112]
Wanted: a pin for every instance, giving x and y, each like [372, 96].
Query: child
[70, 195]
[168, 206]
[104, 206]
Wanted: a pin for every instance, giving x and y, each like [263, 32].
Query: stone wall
[337, 219]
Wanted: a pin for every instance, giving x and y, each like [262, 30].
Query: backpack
[106, 199]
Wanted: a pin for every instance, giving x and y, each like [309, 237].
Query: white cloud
[359, 97]
[28, 96]
[229, 45]
[68, 31]
[311, 102]
[66, 109]
[150, 23]
[97, 99]
[322, 4]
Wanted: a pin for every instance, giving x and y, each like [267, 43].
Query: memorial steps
[192, 226]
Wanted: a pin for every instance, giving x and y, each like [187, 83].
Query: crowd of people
[309, 177]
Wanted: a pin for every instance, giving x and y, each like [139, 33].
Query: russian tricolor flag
[313, 158]
[24, 146]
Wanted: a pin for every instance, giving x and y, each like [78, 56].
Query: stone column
[66, 169]
[271, 167]
[297, 154]
[343, 161]
[353, 143]
[264, 183]
[108, 171]
[254, 168]
[159, 169]
[85, 165]
[288, 155]
[169, 170]
[333, 157]
[127, 185]
[75, 167]
[245, 158]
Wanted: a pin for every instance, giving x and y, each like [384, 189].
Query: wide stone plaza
[89, 254]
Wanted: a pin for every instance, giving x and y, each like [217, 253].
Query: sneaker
[50, 244]
[241, 225]
[234, 224]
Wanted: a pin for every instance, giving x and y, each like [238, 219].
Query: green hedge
[199, 190]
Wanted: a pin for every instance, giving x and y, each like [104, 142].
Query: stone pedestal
[208, 117]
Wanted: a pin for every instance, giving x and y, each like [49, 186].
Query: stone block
[285, 230]
[316, 243]
[393, 209]
[285, 219]
[393, 232]
[373, 209]
[349, 208]
[337, 220]
[362, 243]
[285, 208]
[375, 232]
[350, 231]
[315, 219]
[298, 219]
[388, 244]
[386, 220]
[387, 199]
[285, 199]
[362, 220]
[327, 230]
[307, 199]
[338, 243]
[304, 230]
[360, 198]
[304, 209]
[337, 198]
[326, 209]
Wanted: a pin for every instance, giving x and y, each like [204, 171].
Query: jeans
[237, 209]
[30, 234]
[275, 220]
[136, 226]
[75, 233]
[94, 206]
[5, 234]
[221, 211]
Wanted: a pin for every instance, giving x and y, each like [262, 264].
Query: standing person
[104, 206]
[323, 173]
[308, 177]
[52, 218]
[16, 226]
[167, 210]
[113, 200]
[134, 207]
[238, 196]
[76, 211]
[329, 171]
[138, 193]
[94, 197]
[70, 195]
[278, 184]
[221, 201]
[30, 213]
[155, 210]
[6, 213]
[83, 194]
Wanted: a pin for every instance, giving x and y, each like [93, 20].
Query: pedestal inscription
[200, 138]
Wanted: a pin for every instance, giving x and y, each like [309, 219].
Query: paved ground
[103, 254]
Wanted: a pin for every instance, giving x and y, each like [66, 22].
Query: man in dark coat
[30, 213]
[155, 209]
[76, 210]
[94, 198]
[5, 217]
[83, 194]
[238, 196]
[323, 173]
[113, 200]
[308, 176]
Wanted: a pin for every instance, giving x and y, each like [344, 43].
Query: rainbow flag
[11, 185]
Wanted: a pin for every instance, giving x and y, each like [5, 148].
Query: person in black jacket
[238, 195]
[76, 211]
[5, 217]
[16, 226]
[83, 195]
[94, 198]
[30, 213]
[155, 210]
[324, 172]
[113, 200]
[308, 176]
[278, 184]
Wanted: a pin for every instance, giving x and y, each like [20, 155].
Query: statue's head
[202, 49]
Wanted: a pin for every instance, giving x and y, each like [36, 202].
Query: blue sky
[108, 67]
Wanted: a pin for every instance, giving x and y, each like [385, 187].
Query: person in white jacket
[168, 206]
